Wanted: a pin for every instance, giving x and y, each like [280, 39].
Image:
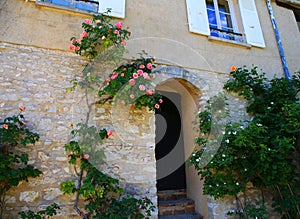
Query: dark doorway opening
[169, 150]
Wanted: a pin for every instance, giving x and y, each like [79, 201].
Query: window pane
[211, 15]
[226, 22]
[225, 18]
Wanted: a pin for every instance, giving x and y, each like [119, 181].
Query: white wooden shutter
[254, 35]
[117, 7]
[197, 16]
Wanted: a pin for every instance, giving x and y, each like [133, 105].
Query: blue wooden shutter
[117, 7]
[250, 20]
[197, 16]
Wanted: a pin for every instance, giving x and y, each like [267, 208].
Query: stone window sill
[213, 38]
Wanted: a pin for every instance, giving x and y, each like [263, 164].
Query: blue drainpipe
[281, 52]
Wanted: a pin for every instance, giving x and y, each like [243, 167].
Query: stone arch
[194, 91]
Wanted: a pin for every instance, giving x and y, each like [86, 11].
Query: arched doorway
[189, 96]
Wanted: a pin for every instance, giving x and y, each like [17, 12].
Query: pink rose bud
[156, 106]
[114, 76]
[142, 66]
[83, 34]
[146, 76]
[142, 87]
[86, 156]
[109, 132]
[124, 43]
[135, 75]
[140, 72]
[149, 66]
[131, 96]
[98, 21]
[5, 126]
[160, 100]
[132, 81]
[149, 92]
[87, 21]
[119, 25]
[72, 47]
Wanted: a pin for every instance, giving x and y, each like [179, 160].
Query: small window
[93, 6]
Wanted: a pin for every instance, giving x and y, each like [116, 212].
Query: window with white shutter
[217, 18]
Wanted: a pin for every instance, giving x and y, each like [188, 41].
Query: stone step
[171, 194]
[173, 207]
[182, 216]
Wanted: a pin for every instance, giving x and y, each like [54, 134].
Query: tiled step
[182, 216]
[174, 204]
[171, 207]
[171, 194]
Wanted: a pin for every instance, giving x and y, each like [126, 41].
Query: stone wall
[38, 78]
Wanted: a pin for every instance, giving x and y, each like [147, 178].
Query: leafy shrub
[14, 166]
[262, 152]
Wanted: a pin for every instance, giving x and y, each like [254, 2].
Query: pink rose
[86, 156]
[149, 92]
[5, 126]
[132, 81]
[122, 74]
[135, 75]
[77, 48]
[73, 40]
[79, 40]
[156, 106]
[142, 87]
[149, 66]
[116, 32]
[131, 96]
[72, 47]
[109, 132]
[140, 72]
[146, 75]
[98, 21]
[124, 43]
[83, 34]
[119, 25]
[160, 100]
[142, 66]
[87, 21]
[113, 76]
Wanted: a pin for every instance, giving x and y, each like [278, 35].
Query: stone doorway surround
[193, 91]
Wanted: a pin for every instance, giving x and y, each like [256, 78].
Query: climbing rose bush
[104, 44]
[131, 82]
[98, 35]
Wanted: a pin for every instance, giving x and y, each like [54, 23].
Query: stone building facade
[193, 59]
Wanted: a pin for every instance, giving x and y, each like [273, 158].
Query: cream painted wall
[161, 29]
